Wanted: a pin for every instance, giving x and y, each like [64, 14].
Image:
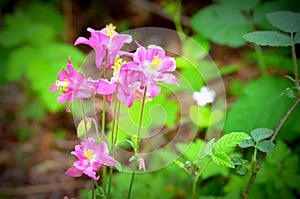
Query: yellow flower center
[110, 30]
[89, 154]
[155, 62]
[118, 63]
[63, 84]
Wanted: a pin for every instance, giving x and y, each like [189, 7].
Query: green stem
[141, 119]
[138, 141]
[194, 189]
[261, 61]
[84, 118]
[103, 136]
[294, 58]
[261, 159]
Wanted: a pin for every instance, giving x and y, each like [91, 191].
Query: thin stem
[103, 117]
[84, 118]
[103, 135]
[194, 189]
[131, 181]
[261, 61]
[117, 125]
[295, 61]
[138, 140]
[93, 188]
[259, 162]
[141, 119]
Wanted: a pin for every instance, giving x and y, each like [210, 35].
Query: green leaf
[237, 160]
[261, 134]
[297, 38]
[241, 169]
[246, 143]
[222, 159]
[207, 150]
[262, 105]
[200, 116]
[194, 50]
[222, 24]
[118, 166]
[286, 21]
[240, 4]
[81, 131]
[268, 38]
[266, 146]
[229, 140]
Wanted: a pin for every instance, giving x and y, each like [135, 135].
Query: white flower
[205, 96]
[141, 164]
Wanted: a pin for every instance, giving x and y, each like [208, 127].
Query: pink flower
[90, 159]
[148, 67]
[73, 85]
[105, 42]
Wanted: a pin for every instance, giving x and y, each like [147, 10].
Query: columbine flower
[148, 67]
[205, 96]
[106, 42]
[73, 85]
[90, 159]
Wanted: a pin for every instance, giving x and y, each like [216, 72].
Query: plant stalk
[294, 58]
[138, 141]
[259, 162]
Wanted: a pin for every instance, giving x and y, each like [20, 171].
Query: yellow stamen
[89, 154]
[110, 30]
[118, 63]
[155, 62]
[63, 84]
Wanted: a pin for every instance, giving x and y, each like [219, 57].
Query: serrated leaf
[237, 160]
[222, 24]
[246, 143]
[261, 134]
[241, 169]
[228, 141]
[84, 128]
[286, 21]
[207, 150]
[266, 146]
[268, 38]
[222, 159]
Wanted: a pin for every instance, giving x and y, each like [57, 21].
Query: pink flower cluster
[130, 81]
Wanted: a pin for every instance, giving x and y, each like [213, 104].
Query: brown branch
[261, 159]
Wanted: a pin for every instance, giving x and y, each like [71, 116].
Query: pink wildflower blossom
[90, 159]
[73, 85]
[106, 42]
[148, 67]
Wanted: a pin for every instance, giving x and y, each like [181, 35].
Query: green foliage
[266, 146]
[223, 145]
[268, 38]
[286, 21]
[260, 134]
[35, 53]
[247, 113]
[222, 24]
[200, 116]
